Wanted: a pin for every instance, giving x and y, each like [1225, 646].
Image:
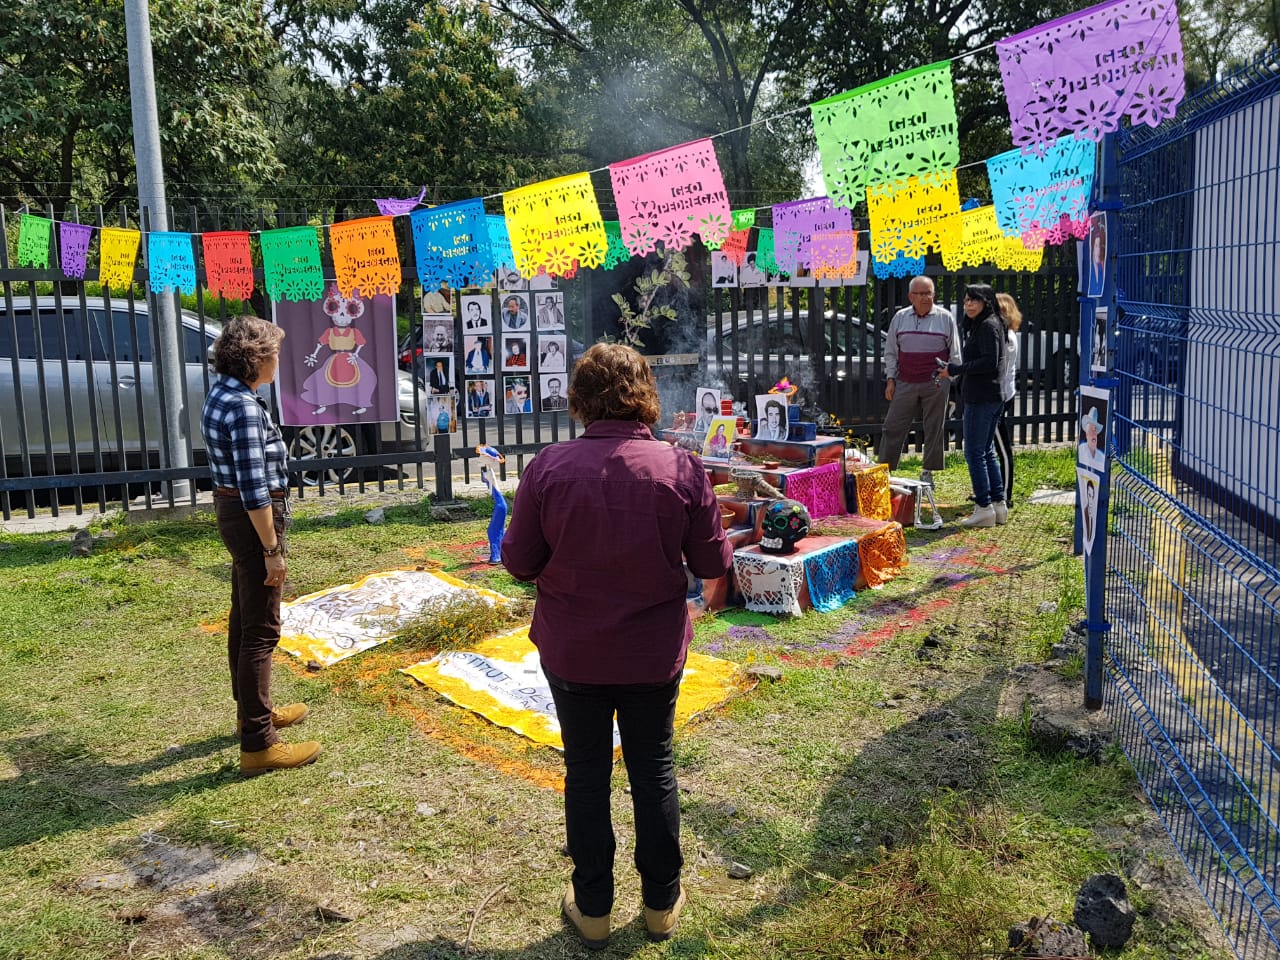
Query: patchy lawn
[883, 803]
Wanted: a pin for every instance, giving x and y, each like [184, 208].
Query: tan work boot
[661, 924]
[284, 716]
[278, 756]
[592, 931]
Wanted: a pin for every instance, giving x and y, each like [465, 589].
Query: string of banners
[893, 143]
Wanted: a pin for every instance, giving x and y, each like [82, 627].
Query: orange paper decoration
[365, 257]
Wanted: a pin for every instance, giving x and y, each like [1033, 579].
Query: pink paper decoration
[670, 195]
[1079, 73]
[73, 241]
[794, 225]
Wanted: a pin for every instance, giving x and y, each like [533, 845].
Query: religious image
[771, 416]
[516, 395]
[437, 334]
[514, 312]
[441, 416]
[478, 356]
[551, 354]
[439, 369]
[1097, 255]
[515, 352]
[1089, 488]
[1093, 426]
[724, 272]
[476, 314]
[721, 433]
[550, 310]
[338, 359]
[554, 395]
[480, 399]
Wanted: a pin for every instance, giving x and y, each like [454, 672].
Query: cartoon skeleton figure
[345, 376]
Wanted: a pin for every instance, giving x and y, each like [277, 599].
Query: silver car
[78, 393]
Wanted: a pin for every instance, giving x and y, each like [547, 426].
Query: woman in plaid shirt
[250, 498]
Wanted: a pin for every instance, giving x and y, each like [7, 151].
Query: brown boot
[592, 931]
[661, 924]
[278, 756]
[284, 716]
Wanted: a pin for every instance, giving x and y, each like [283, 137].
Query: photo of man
[441, 416]
[440, 375]
[553, 397]
[508, 278]
[1093, 425]
[437, 335]
[479, 356]
[720, 437]
[439, 301]
[550, 311]
[476, 317]
[1097, 255]
[515, 312]
[1088, 508]
[724, 272]
[515, 352]
[707, 405]
[1098, 355]
[771, 415]
[479, 399]
[516, 390]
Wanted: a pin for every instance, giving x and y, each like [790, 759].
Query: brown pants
[253, 629]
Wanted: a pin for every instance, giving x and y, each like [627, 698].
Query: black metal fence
[82, 394]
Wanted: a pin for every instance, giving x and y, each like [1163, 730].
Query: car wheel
[323, 443]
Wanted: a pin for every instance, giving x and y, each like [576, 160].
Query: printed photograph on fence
[707, 404]
[441, 415]
[543, 281]
[437, 334]
[439, 372]
[771, 416]
[338, 359]
[479, 355]
[515, 351]
[1088, 507]
[1097, 254]
[438, 301]
[508, 278]
[721, 433]
[1094, 404]
[550, 310]
[554, 395]
[859, 278]
[551, 354]
[480, 399]
[515, 312]
[515, 391]
[724, 272]
[477, 315]
[750, 275]
[1098, 359]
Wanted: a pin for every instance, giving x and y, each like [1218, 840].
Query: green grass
[885, 805]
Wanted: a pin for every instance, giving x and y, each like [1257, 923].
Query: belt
[233, 492]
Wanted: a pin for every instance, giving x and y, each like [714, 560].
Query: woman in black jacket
[983, 332]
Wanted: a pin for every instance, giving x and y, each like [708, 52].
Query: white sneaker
[982, 517]
[1002, 512]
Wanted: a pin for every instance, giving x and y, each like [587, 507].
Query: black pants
[253, 629]
[1004, 449]
[646, 718]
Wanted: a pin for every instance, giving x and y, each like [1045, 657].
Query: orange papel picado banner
[365, 256]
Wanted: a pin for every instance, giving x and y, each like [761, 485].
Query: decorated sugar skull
[343, 311]
[785, 523]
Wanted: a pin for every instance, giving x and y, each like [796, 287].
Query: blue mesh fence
[1193, 547]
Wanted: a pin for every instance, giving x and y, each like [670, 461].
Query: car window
[195, 345]
[125, 327]
[57, 340]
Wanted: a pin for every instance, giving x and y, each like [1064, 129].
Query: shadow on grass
[64, 787]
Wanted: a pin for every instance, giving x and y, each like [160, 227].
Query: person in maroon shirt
[605, 525]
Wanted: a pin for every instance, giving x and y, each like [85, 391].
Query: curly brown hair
[613, 382]
[245, 345]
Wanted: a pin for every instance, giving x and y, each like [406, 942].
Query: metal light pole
[154, 215]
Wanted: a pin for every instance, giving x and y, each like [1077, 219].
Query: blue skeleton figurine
[488, 474]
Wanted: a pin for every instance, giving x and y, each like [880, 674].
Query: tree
[624, 79]
[65, 114]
